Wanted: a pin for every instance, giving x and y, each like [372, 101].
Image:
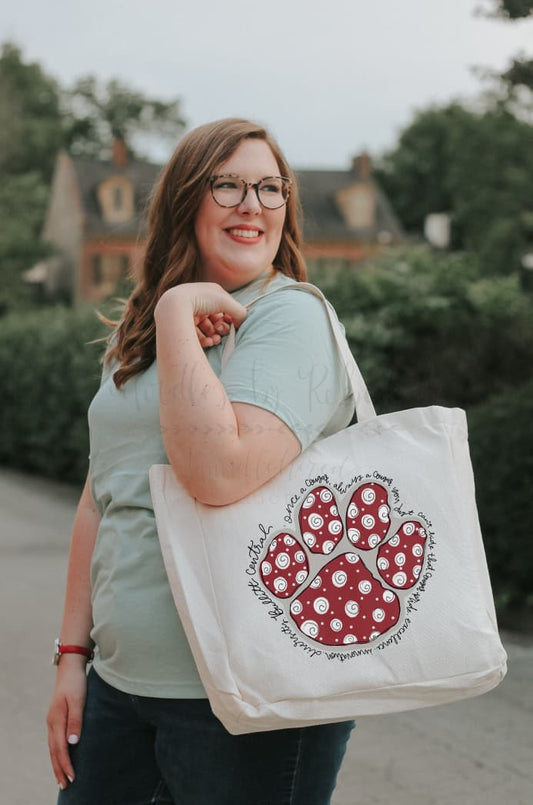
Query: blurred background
[411, 129]
[410, 126]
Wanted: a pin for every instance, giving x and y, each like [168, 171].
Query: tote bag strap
[364, 407]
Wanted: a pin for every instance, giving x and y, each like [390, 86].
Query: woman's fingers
[64, 721]
[205, 299]
[210, 329]
[57, 743]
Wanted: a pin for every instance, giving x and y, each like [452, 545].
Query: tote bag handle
[364, 407]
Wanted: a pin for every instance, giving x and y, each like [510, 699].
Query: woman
[223, 229]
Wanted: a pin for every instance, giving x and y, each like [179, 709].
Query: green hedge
[429, 328]
[49, 374]
[501, 444]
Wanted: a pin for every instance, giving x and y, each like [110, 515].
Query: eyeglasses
[229, 190]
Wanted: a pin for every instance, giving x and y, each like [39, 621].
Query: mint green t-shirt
[285, 361]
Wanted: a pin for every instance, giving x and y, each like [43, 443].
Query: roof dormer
[357, 202]
[116, 199]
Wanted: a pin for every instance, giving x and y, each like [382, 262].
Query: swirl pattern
[344, 602]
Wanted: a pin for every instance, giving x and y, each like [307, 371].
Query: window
[96, 267]
[117, 197]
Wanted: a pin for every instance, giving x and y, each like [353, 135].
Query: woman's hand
[65, 715]
[211, 329]
[210, 307]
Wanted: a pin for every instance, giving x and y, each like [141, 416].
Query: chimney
[120, 152]
[362, 167]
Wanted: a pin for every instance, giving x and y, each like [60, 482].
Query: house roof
[323, 219]
[91, 173]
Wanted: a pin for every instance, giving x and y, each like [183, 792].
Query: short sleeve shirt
[285, 361]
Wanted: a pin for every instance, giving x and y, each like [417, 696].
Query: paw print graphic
[357, 566]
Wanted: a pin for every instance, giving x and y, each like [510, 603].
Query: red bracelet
[62, 649]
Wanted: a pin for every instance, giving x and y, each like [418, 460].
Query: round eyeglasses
[229, 191]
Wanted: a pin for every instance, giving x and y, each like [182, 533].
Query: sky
[329, 78]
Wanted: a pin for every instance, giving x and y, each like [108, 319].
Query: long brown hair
[171, 254]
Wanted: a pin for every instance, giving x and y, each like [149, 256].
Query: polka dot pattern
[320, 523]
[400, 560]
[347, 605]
[344, 603]
[356, 611]
[285, 566]
[368, 516]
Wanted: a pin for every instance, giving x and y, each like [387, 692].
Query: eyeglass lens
[229, 191]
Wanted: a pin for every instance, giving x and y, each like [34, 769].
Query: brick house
[96, 220]
[346, 213]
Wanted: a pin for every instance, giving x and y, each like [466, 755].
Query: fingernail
[62, 786]
[70, 779]
[221, 330]
[73, 739]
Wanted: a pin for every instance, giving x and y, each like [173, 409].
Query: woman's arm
[220, 451]
[68, 699]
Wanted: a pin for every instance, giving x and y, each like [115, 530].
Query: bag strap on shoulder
[364, 408]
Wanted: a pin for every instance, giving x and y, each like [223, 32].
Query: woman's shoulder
[290, 299]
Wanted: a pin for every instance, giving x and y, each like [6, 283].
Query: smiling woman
[237, 242]
[223, 230]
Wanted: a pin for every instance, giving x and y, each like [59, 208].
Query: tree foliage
[431, 329]
[415, 174]
[31, 132]
[501, 443]
[478, 166]
[23, 200]
[520, 73]
[97, 112]
[31, 129]
[424, 329]
[37, 118]
[50, 372]
[513, 9]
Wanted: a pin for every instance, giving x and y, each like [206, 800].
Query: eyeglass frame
[247, 186]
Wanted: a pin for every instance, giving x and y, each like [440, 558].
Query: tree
[415, 174]
[478, 166]
[513, 9]
[430, 328]
[97, 113]
[520, 72]
[31, 132]
[31, 128]
[37, 118]
[22, 205]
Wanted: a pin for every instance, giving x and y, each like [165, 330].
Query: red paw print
[345, 602]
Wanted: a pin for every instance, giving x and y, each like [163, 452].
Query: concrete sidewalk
[477, 752]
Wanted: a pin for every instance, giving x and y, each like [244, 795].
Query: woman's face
[237, 244]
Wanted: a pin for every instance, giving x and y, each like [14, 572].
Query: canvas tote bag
[353, 583]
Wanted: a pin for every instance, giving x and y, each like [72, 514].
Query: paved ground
[477, 752]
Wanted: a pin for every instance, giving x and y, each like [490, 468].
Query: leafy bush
[501, 442]
[426, 329]
[429, 328]
[49, 374]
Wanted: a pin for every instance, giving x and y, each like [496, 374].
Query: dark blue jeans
[136, 750]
